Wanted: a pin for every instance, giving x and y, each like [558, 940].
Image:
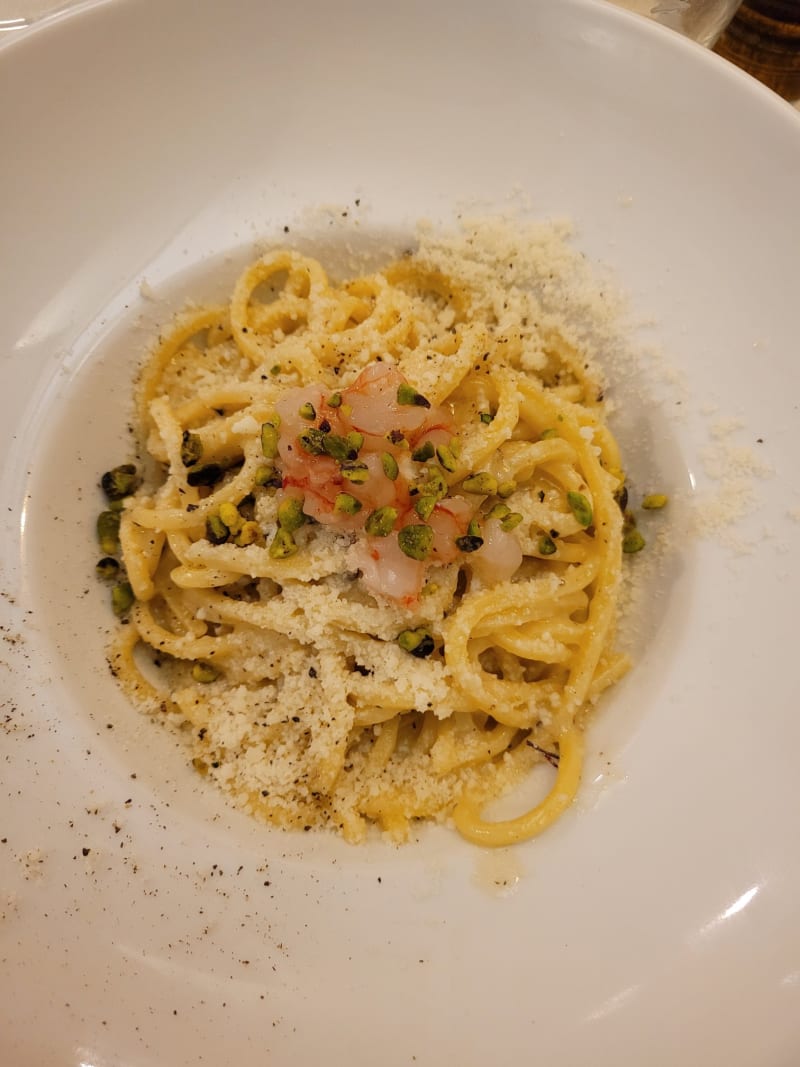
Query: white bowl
[143, 922]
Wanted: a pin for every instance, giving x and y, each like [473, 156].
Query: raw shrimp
[363, 460]
[500, 555]
[385, 569]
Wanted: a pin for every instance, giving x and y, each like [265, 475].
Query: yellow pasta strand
[511, 831]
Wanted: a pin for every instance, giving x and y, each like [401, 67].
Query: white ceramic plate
[143, 923]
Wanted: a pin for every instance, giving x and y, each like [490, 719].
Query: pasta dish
[369, 557]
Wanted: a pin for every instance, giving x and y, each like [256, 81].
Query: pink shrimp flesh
[361, 453]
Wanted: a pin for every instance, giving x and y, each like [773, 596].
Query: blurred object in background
[702, 20]
[764, 40]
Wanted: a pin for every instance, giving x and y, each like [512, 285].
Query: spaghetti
[376, 551]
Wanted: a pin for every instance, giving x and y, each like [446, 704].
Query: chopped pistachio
[204, 673]
[207, 475]
[437, 483]
[355, 440]
[469, 542]
[389, 464]
[282, 545]
[432, 484]
[482, 482]
[347, 504]
[415, 541]
[117, 505]
[424, 506]
[290, 514]
[248, 535]
[418, 642]
[548, 433]
[408, 640]
[307, 411]
[122, 598]
[333, 444]
[446, 456]
[380, 522]
[408, 395]
[355, 473]
[312, 441]
[335, 400]
[191, 449]
[505, 489]
[621, 497]
[268, 476]
[120, 481]
[269, 439]
[499, 511]
[229, 514]
[107, 567]
[396, 437]
[473, 539]
[511, 521]
[108, 532]
[632, 541]
[275, 369]
[216, 530]
[655, 501]
[486, 417]
[546, 545]
[580, 507]
[424, 452]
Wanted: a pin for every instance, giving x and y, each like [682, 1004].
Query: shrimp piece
[386, 570]
[376, 411]
[295, 464]
[322, 506]
[289, 405]
[320, 466]
[321, 480]
[500, 555]
[449, 520]
[378, 490]
[323, 476]
[437, 435]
